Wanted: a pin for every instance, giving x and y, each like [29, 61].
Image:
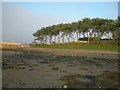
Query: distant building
[83, 40]
[107, 38]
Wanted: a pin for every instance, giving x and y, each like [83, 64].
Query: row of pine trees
[90, 28]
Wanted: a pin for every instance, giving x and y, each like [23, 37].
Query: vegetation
[11, 45]
[110, 46]
[96, 27]
[93, 29]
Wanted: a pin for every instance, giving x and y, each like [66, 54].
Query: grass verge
[86, 46]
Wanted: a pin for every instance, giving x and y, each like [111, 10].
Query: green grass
[103, 46]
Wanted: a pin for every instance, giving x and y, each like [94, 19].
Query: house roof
[83, 39]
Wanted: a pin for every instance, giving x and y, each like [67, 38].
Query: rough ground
[54, 68]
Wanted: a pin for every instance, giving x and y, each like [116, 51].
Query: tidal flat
[32, 69]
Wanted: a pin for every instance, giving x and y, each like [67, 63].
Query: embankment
[11, 45]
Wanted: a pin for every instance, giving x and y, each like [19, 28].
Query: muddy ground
[45, 68]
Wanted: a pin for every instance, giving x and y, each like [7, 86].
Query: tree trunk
[68, 38]
[71, 37]
[55, 39]
[83, 34]
[50, 39]
[77, 33]
[88, 38]
[63, 38]
[58, 38]
[45, 40]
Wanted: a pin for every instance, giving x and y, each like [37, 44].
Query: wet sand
[49, 68]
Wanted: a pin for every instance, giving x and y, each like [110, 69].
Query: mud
[31, 69]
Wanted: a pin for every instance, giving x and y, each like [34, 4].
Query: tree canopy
[95, 27]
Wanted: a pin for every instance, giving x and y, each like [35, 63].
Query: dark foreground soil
[55, 68]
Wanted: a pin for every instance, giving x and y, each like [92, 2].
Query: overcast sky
[21, 19]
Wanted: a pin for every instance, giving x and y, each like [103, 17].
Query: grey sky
[0, 22]
[18, 24]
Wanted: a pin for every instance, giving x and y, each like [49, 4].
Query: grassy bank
[102, 46]
[11, 45]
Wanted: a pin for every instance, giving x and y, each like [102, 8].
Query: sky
[21, 19]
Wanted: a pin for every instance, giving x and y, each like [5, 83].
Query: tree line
[90, 28]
